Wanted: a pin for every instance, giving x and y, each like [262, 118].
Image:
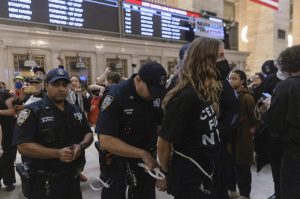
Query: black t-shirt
[127, 116]
[190, 124]
[43, 123]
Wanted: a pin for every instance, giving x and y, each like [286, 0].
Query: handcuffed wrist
[82, 146]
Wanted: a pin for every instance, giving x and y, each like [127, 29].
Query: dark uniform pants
[7, 168]
[290, 177]
[244, 179]
[42, 186]
[193, 193]
[145, 188]
[275, 155]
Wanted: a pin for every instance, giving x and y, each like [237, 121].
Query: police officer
[53, 135]
[130, 113]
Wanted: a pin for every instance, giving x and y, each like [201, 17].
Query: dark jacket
[244, 138]
[283, 116]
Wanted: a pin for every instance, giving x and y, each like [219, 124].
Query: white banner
[208, 28]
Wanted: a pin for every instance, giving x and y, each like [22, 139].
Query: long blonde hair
[199, 70]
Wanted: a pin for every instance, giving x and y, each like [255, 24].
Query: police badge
[106, 102]
[23, 115]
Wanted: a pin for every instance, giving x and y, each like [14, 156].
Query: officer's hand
[149, 160]
[161, 184]
[65, 154]
[77, 151]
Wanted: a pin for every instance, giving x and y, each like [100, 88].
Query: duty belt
[72, 173]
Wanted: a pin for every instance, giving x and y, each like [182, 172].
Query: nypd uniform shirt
[127, 116]
[43, 123]
[190, 124]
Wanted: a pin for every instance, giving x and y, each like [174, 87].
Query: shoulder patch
[23, 115]
[106, 102]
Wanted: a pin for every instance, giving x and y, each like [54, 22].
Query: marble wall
[296, 22]
[197, 5]
[263, 24]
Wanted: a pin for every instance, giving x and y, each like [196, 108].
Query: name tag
[47, 119]
[128, 111]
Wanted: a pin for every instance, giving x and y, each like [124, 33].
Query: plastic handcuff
[104, 184]
[157, 173]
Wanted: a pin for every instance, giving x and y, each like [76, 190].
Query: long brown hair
[199, 70]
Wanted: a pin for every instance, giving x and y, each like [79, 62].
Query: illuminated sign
[152, 20]
[90, 14]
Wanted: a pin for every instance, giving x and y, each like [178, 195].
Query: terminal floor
[262, 184]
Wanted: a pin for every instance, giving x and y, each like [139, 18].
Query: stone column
[4, 75]
[53, 59]
[100, 64]
[296, 22]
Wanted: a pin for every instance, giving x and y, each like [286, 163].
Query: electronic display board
[153, 20]
[89, 14]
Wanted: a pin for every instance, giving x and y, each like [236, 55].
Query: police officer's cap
[269, 67]
[154, 75]
[183, 50]
[35, 80]
[19, 77]
[57, 74]
[38, 68]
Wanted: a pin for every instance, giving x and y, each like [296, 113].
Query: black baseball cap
[155, 76]
[183, 50]
[57, 74]
[35, 80]
[38, 68]
[269, 67]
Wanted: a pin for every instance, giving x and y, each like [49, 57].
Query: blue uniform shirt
[43, 123]
[127, 116]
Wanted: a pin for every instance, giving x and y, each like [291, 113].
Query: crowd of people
[194, 134]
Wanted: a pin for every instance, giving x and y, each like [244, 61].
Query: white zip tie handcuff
[104, 184]
[157, 173]
[210, 176]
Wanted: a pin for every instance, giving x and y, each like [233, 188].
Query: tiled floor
[262, 185]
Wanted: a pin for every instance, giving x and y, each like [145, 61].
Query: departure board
[89, 14]
[153, 20]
